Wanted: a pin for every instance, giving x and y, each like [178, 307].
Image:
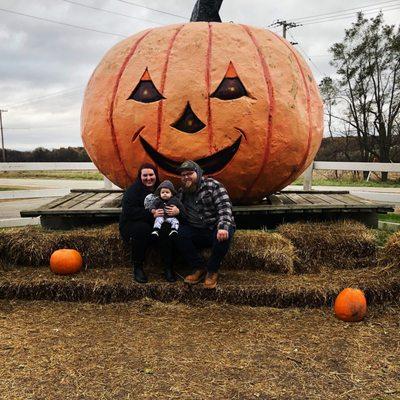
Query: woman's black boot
[169, 275]
[138, 274]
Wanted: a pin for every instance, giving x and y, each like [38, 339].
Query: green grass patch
[348, 182]
[91, 175]
[390, 217]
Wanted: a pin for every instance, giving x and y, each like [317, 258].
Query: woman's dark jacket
[133, 208]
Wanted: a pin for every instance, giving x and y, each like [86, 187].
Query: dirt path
[150, 350]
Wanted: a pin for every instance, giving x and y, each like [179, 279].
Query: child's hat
[166, 185]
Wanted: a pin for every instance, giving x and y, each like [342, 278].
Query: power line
[47, 96]
[111, 12]
[308, 57]
[347, 16]
[343, 11]
[61, 23]
[153, 9]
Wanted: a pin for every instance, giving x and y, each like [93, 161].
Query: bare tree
[366, 94]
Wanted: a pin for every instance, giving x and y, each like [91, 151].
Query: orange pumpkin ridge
[162, 86]
[270, 88]
[307, 88]
[115, 90]
[208, 85]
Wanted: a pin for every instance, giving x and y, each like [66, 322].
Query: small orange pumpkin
[66, 262]
[350, 305]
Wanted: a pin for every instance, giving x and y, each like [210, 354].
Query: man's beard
[189, 189]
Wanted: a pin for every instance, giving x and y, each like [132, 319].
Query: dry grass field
[114, 339]
[152, 350]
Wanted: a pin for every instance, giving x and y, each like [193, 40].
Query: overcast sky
[44, 67]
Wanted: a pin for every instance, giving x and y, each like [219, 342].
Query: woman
[136, 224]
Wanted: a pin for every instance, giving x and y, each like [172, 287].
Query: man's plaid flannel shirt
[214, 204]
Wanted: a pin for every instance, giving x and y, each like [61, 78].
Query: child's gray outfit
[154, 201]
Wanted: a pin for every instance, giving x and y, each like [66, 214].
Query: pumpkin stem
[206, 10]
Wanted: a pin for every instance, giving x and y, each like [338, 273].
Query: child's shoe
[173, 232]
[155, 233]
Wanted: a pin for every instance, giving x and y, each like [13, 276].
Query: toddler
[165, 195]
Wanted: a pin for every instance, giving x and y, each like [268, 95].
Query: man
[208, 223]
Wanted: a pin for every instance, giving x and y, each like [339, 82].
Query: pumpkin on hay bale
[66, 262]
[350, 305]
[103, 247]
[389, 256]
[331, 245]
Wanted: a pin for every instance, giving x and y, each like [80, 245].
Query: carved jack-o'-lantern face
[238, 100]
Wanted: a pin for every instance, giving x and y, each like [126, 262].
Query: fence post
[107, 183]
[307, 183]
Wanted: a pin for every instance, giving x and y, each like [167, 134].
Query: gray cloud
[40, 58]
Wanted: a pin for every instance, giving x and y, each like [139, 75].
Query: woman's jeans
[191, 239]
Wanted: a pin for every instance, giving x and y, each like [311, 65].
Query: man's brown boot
[196, 277]
[211, 280]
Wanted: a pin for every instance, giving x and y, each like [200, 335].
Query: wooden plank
[312, 198]
[328, 199]
[107, 198]
[78, 199]
[321, 198]
[98, 190]
[359, 199]
[316, 191]
[285, 199]
[297, 199]
[58, 202]
[274, 199]
[344, 199]
[90, 199]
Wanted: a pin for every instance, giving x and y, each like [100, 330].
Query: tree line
[40, 154]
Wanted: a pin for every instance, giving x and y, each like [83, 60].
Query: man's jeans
[191, 239]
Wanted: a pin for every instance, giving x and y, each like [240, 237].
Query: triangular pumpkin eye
[145, 91]
[231, 87]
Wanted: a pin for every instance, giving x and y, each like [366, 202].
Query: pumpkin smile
[210, 165]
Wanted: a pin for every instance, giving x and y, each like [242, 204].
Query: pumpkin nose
[189, 122]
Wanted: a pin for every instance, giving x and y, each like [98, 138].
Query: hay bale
[33, 246]
[103, 247]
[389, 256]
[332, 245]
[260, 250]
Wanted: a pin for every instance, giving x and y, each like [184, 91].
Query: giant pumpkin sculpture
[238, 100]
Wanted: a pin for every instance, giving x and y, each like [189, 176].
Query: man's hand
[172, 211]
[157, 213]
[222, 235]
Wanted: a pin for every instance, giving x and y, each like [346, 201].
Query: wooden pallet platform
[86, 207]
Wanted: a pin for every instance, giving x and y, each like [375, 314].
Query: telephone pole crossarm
[285, 26]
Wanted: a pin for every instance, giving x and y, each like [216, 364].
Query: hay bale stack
[33, 246]
[389, 256]
[260, 250]
[103, 247]
[331, 245]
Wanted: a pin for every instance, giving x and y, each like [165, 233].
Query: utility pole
[285, 26]
[2, 135]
